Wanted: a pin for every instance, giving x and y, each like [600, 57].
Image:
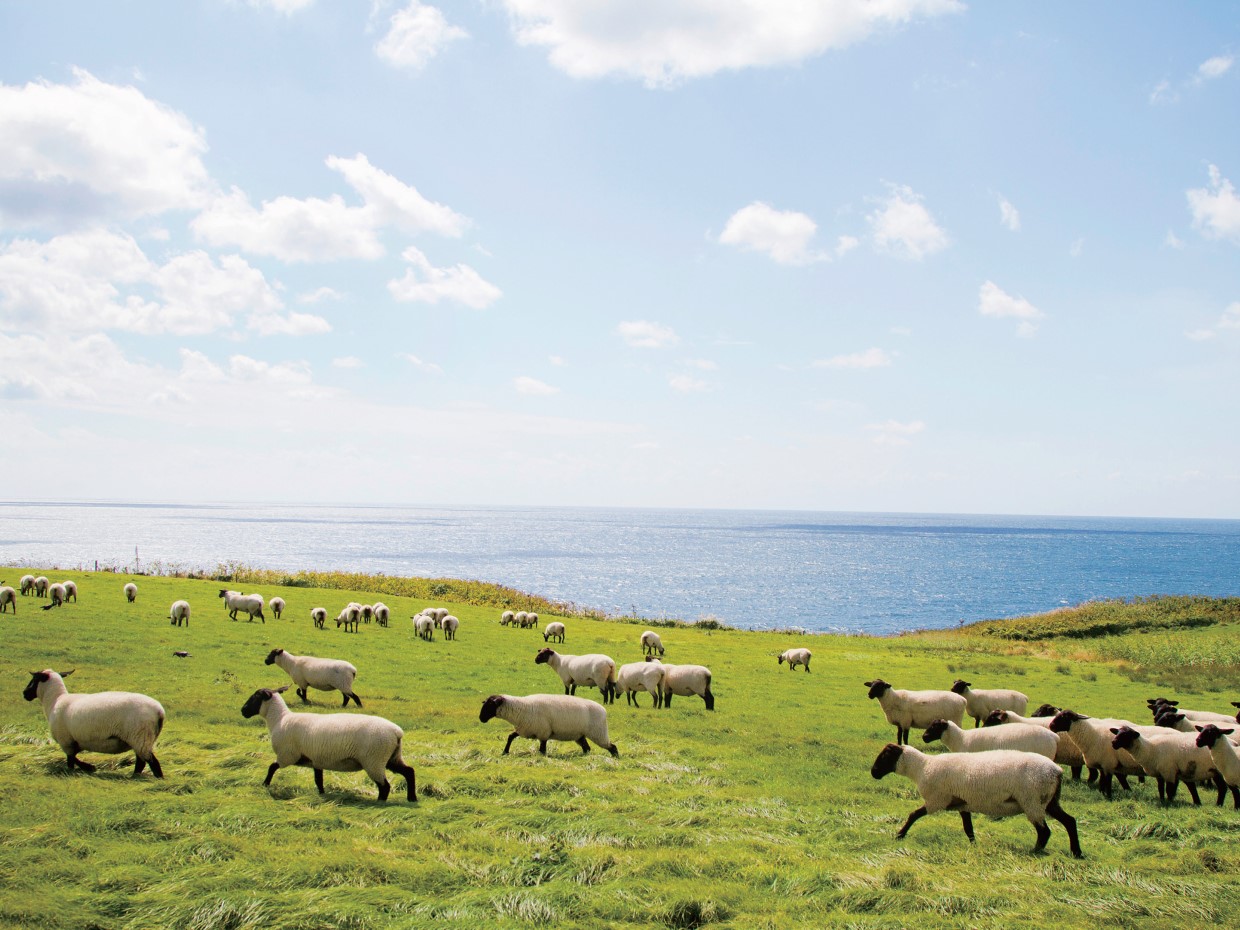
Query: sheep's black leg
[1235, 797]
[1192, 790]
[271, 771]
[585, 747]
[411, 781]
[806, 668]
[1076, 772]
[667, 699]
[912, 818]
[542, 746]
[1093, 775]
[1069, 824]
[1044, 834]
[1162, 792]
[73, 760]
[346, 701]
[615, 753]
[138, 765]
[318, 781]
[156, 770]
[966, 820]
[385, 788]
[1104, 784]
[356, 700]
[709, 699]
[511, 736]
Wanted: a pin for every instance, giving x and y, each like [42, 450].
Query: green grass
[760, 815]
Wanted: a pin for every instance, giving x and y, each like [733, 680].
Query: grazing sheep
[641, 676]
[321, 674]
[450, 625]
[907, 709]
[424, 627]
[795, 657]
[1092, 735]
[368, 612]
[337, 742]
[8, 598]
[547, 717]
[1066, 751]
[57, 594]
[685, 680]
[1019, 736]
[383, 614]
[980, 703]
[554, 630]
[531, 620]
[350, 616]
[652, 643]
[319, 616]
[236, 602]
[27, 585]
[108, 721]
[131, 592]
[505, 619]
[593, 670]
[277, 607]
[518, 619]
[1171, 757]
[998, 783]
[179, 613]
[40, 586]
[70, 591]
[1223, 754]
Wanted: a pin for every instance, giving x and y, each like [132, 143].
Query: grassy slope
[762, 814]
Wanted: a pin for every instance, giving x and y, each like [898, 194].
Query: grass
[760, 815]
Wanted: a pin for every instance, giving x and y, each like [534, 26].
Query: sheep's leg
[156, 770]
[385, 788]
[346, 701]
[318, 781]
[585, 747]
[542, 746]
[615, 753]
[1123, 781]
[912, 818]
[73, 760]
[1093, 775]
[1192, 790]
[508, 745]
[138, 765]
[709, 699]
[395, 764]
[1235, 797]
[806, 668]
[1076, 772]
[667, 698]
[1104, 784]
[966, 821]
[1162, 786]
[271, 771]
[1044, 834]
[1069, 824]
[356, 700]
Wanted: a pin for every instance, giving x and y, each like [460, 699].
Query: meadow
[761, 814]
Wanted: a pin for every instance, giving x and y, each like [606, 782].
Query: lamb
[235, 602]
[321, 674]
[652, 643]
[554, 630]
[8, 598]
[277, 607]
[40, 586]
[795, 657]
[383, 614]
[450, 625]
[131, 592]
[547, 717]
[338, 742]
[424, 627]
[907, 709]
[27, 585]
[1066, 751]
[1223, 755]
[179, 613]
[1019, 736]
[641, 676]
[506, 618]
[1171, 757]
[591, 670]
[685, 680]
[70, 591]
[998, 783]
[980, 703]
[108, 721]
[57, 594]
[1093, 737]
[319, 616]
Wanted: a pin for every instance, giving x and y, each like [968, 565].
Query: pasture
[761, 814]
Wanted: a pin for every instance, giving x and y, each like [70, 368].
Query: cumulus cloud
[668, 41]
[895, 433]
[902, 225]
[1216, 209]
[415, 35]
[994, 302]
[1230, 320]
[318, 295]
[644, 334]
[1213, 68]
[533, 387]
[784, 235]
[89, 151]
[424, 283]
[870, 358]
[395, 203]
[1009, 216]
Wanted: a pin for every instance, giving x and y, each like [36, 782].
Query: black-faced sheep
[547, 717]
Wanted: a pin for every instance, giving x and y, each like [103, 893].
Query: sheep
[998, 783]
[1066, 751]
[350, 619]
[795, 657]
[505, 619]
[368, 612]
[641, 676]
[8, 598]
[338, 742]
[907, 709]
[1162, 707]
[547, 717]
[1093, 737]
[1223, 754]
[321, 674]
[424, 627]
[980, 703]
[277, 607]
[235, 602]
[40, 586]
[108, 721]
[685, 680]
[437, 614]
[554, 630]
[319, 616]
[531, 620]
[179, 613]
[57, 594]
[131, 592]
[450, 625]
[27, 585]
[1184, 725]
[652, 643]
[70, 591]
[590, 670]
[383, 614]
[1171, 757]
[1018, 736]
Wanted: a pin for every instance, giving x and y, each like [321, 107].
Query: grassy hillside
[759, 815]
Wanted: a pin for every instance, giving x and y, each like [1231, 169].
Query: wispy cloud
[533, 387]
[424, 283]
[994, 302]
[687, 384]
[1230, 320]
[1009, 216]
[870, 358]
[420, 364]
[895, 433]
[644, 334]
[1216, 209]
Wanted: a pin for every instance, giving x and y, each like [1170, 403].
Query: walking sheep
[321, 674]
[350, 616]
[179, 613]
[685, 680]
[1171, 757]
[236, 602]
[383, 614]
[551, 717]
[1223, 753]
[593, 670]
[506, 618]
[27, 585]
[1066, 751]
[319, 616]
[1093, 737]
[57, 594]
[450, 625]
[998, 783]
[907, 709]
[70, 591]
[277, 607]
[979, 704]
[336, 742]
[131, 592]
[109, 721]
[554, 631]
[641, 676]
[795, 657]
[424, 627]
[40, 586]
[8, 598]
[1017, 736]
[651, 643]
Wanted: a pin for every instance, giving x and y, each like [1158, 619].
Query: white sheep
[641, 676]
[1171, 757]
[424, 627]
[1223, 752]
[547, 717]
[652, 643]
[554, 630]
[321, 674]
[70, 591]
[438, 613]
[27, 585]
[56, 593]
[795, 657]
[131, 592]
[40, 586]
[591, 670]
[450, 625]
[907, 709]
[107, 721]
[998, 783]
[1018, 736]
[1158, 706]
[506, 618]
[350, 616]
[179, 613]
[518, 618]
[978, 704]
[531, 620]
[1093, 737]
[319, 616]
[383, 614]
[277, 606]
[8, 598]
[337, 742]
[235, 602]
[1066, 751]
[685, 680]
[368, 612]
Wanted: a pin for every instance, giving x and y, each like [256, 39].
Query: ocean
[876, 573]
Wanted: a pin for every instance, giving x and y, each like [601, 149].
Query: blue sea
[832, 572]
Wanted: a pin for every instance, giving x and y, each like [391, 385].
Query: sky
[844, 255]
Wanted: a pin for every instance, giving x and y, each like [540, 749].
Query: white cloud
[670, 40]
[415, 35]
[1216, 209]
[425, 283]
[994, 302]
[870, 358]
[687, 384]
[1163, 94]
[1172, 241]
[318, 295]
[784, 235]
[391, 202]
[420, 364]
[288, 324]
[287, 7]
[903, 226]
[245, 368]
[91, 151]
[533, 387]
[895, 433]
[644, 334]
[556, 360]
[845, 244]
[1228, 321]
[1213, 68]
[348, 361]
[1009, 216]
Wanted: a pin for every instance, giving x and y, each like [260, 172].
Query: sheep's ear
[279, 690]
[1228, 731]
[68, 673]
[1115, 730]
[1198, 729]
[869, 684]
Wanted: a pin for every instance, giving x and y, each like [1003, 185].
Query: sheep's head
[490, 707]
[31, 690]
[1208, 735]
[1064, 719]
[271, 656]
[260, 697]
[887, 760]
[1045, 710]
[877, 687]
[995, 718]
[223, 592]
[1168, 719]
[544, 656]
[1124, 737]
[960, 686]
[934, 731]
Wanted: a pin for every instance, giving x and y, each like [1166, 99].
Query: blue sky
[917, 255]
